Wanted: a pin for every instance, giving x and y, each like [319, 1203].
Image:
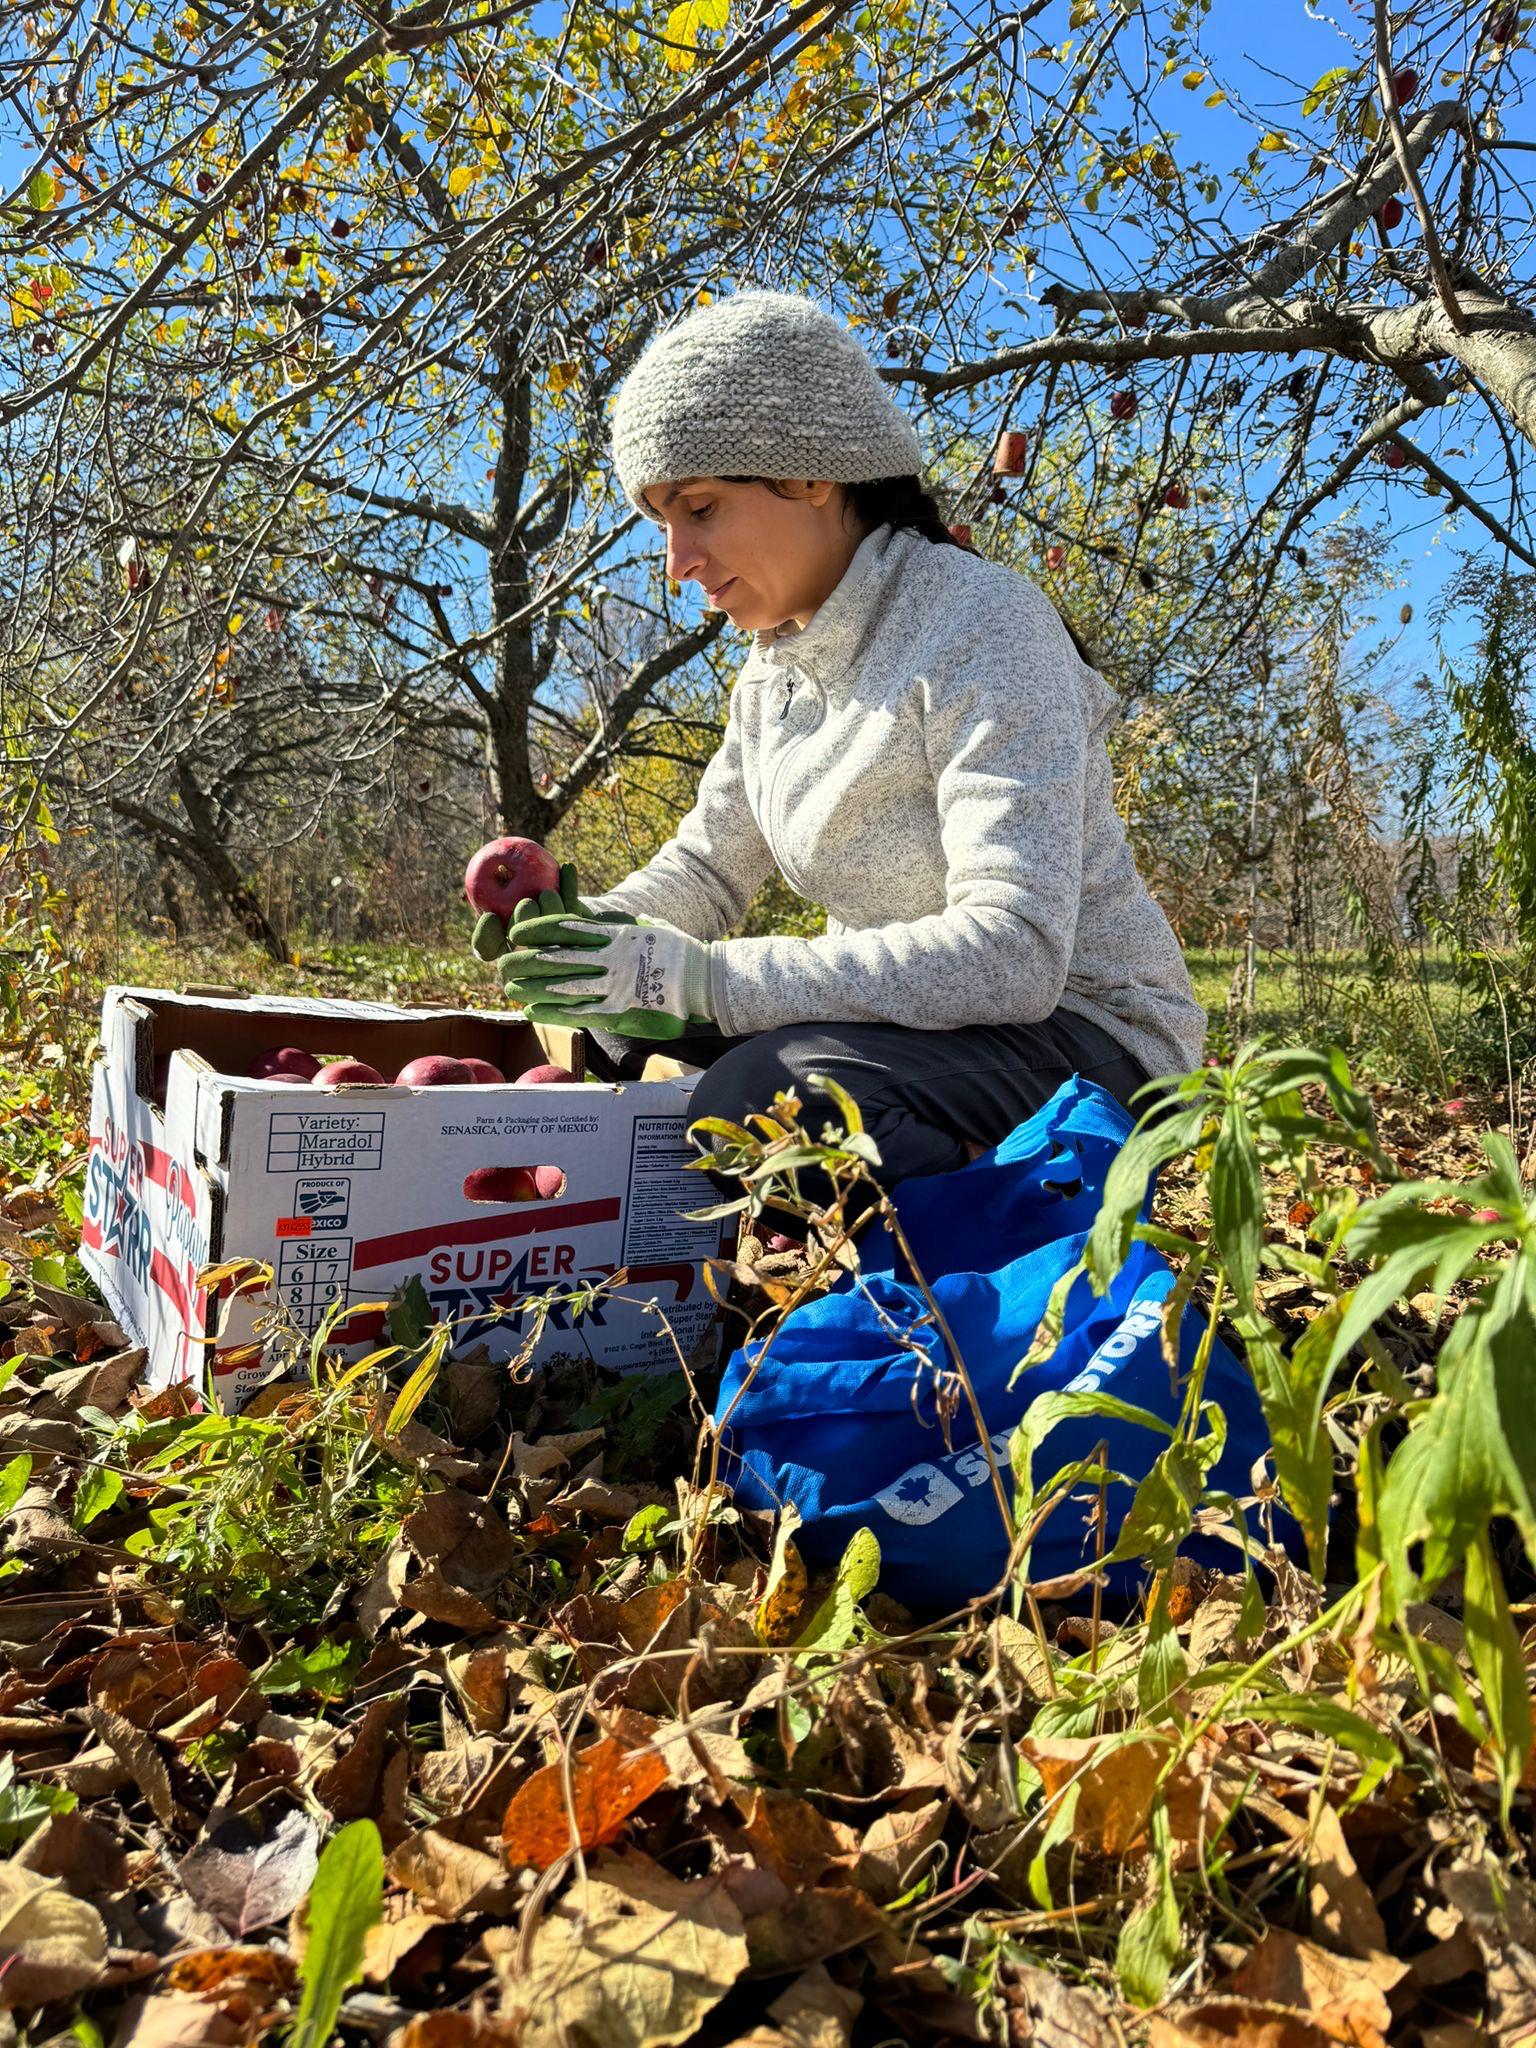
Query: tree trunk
[210, 852]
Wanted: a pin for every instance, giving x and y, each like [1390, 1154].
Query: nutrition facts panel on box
[343, 1140]
[659, 1187]
[311, 1273]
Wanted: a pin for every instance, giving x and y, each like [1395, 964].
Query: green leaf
[1378, 1751]
[1149, 1940]
[1163, 1511]
[24, 1808]
[642, 1532]
[49, 1272]
[328, 1669]
[1042, 1416]
[13, 1482]
[1128, 1187]
[1237, 1203]
[98, 1490]
[1494, 1647]
[1291, 1393]
[852, 1115]
[346, 1899]
[410, 1317]
[1163, 1667]
[1471, 1456]
[1328, 87]
[837, 1620]
[41, 191]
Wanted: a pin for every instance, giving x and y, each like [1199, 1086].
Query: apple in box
[352, 1073]
[284, 1063]
[433, 1070]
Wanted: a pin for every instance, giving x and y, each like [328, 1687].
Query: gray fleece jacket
[925, 758]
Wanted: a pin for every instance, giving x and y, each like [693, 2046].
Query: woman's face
[758, 557]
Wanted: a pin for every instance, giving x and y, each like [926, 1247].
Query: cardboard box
[346, 1192]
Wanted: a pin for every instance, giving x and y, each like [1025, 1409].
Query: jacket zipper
[778, 783]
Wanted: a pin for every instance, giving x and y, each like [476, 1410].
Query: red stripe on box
[508, 1223]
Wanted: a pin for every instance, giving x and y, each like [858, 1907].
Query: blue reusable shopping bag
[840, 1417]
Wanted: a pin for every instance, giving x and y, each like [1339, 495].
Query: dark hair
[902, 501]
[899, 501]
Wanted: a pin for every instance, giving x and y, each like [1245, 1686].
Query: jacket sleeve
[1008, 729]
[702, 880]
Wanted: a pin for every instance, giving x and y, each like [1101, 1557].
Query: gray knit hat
[758, 384]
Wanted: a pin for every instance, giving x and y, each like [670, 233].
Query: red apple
[1505, 25]
[1176, 498]
[962, 533]
[1405, 84]
[500, 1184]
[507, 872]
[1393, 456]
[1122, 405]
[1055, 557]
[1011, 455]
[352, 1072]
[543, 1075]
[549, 1181]
[284, 1063]
[434, 1070]
[285, 1080]
[483, 1072]
[1390, 215]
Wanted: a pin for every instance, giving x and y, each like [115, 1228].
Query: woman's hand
[490, 939]
[639, 979]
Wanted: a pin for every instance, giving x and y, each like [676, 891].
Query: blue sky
[1268, 52]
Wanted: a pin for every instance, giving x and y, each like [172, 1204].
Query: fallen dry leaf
[450, 1877]
[1116, 1779]
[633, 1958]
[814, 2012]
[895, 1848]
[53, 1946]
[1343, 1995]
[249, 1877]
[789, 1836]
[608, 1780]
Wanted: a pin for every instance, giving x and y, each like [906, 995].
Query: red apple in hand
[483, 1072]
[432, 1070]
[284, 1063]
[542, 1076]
[506, 872]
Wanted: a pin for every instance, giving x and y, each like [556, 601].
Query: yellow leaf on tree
[460, 178]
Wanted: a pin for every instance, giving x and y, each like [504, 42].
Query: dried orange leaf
[608, 1781]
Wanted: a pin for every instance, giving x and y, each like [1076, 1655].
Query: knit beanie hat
[758, 384]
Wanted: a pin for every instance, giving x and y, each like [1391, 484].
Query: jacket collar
[828, 645]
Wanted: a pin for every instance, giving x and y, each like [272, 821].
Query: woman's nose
[682, 560]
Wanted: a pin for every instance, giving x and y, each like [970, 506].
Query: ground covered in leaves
[636, 1778]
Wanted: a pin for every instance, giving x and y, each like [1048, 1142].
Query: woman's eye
[703, 511]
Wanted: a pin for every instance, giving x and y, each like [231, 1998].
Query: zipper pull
[789, 691]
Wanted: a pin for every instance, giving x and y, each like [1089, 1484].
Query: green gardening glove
[489, 940]
[639, 979]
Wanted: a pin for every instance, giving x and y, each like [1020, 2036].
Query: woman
[913, 741]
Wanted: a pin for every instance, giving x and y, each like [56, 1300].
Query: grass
[436, 973]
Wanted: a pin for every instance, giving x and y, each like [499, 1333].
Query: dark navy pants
[926, 1096]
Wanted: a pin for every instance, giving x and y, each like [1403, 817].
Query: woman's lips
[729, 584]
